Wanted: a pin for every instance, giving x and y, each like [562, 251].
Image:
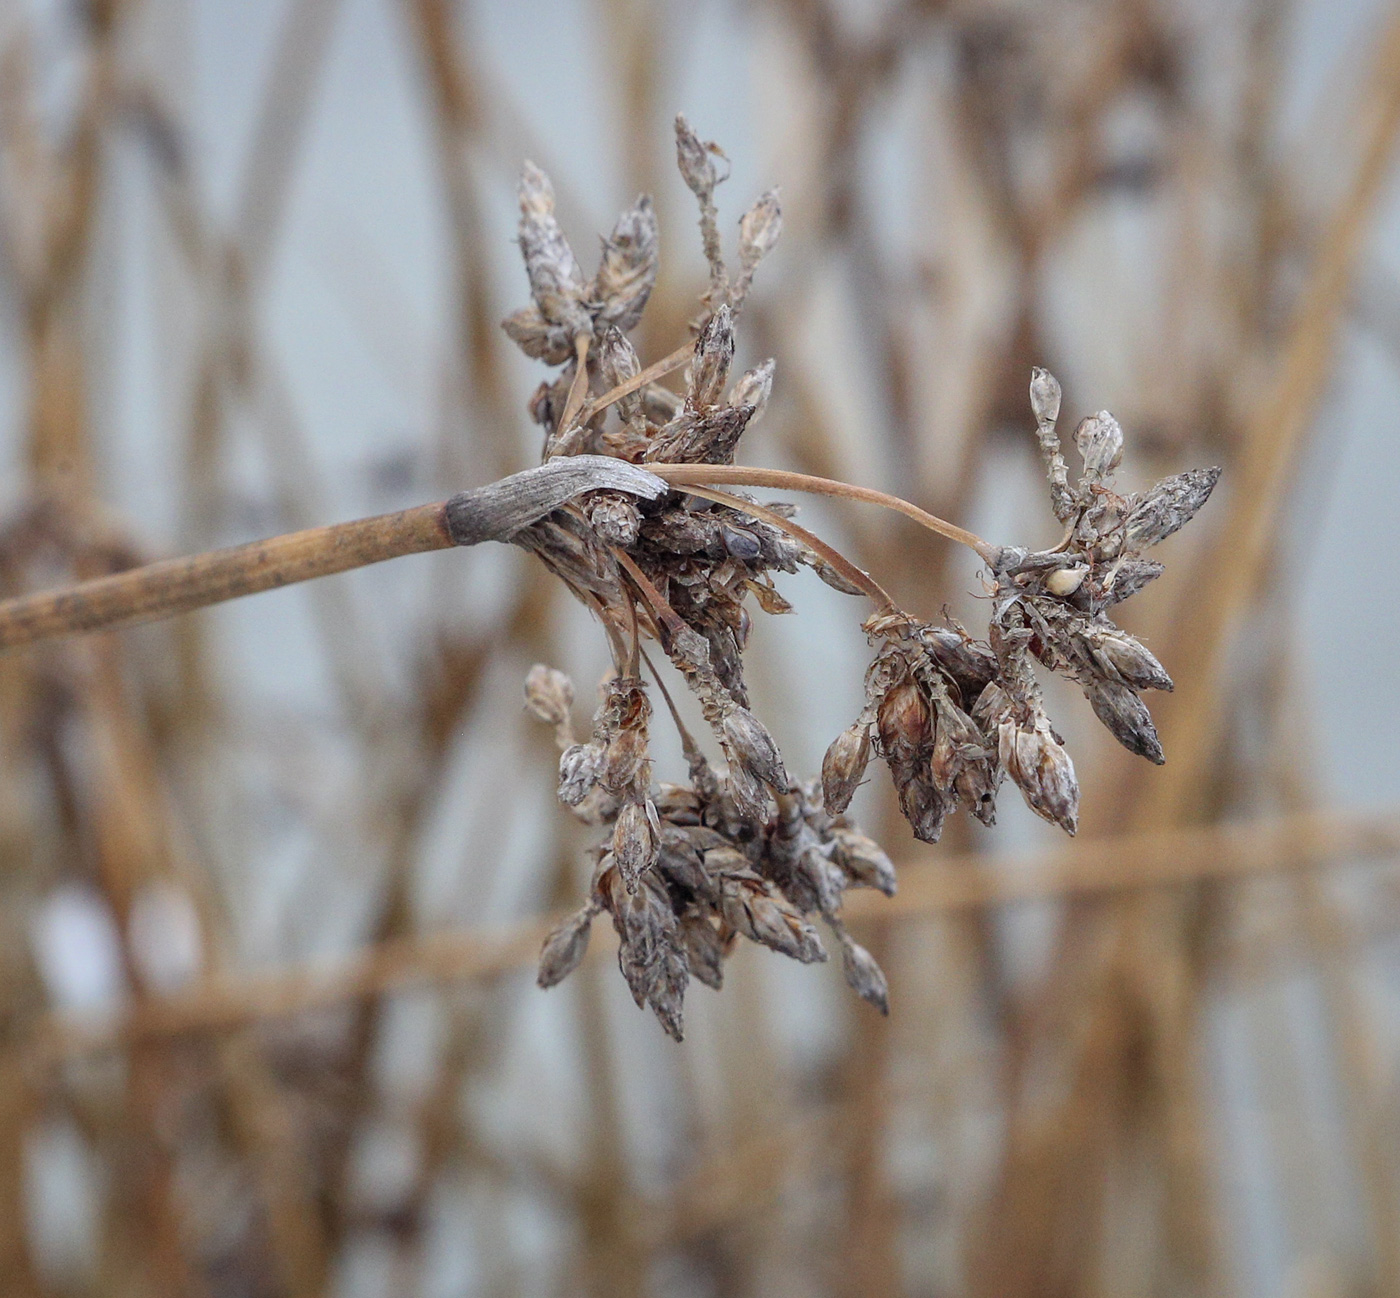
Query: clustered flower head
[685, 870]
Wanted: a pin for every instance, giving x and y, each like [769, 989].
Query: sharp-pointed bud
[696, 159]
[1126, 716]
[863, 975]
[1100, 442]
[843, 767]
[627, 272]
[759, 228]
[1065, 581]
[1171, 504]
[549, 694]
[579, 768]
[754, 388]
[634, 843]
[1045, 396]
[714, 353]
[752, 746]
[1042, 770]
[565, 946]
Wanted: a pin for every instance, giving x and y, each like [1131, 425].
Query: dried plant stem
[173, 586]
[688, 475]
[659, 369]
[179, 585]
[856, 576]
[574, 401]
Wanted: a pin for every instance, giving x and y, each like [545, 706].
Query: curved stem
[740, 475]
[856, 576]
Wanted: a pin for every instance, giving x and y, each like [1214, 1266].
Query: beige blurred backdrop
[272, 877]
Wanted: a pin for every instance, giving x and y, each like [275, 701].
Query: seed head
[863, 974]
[714, 353]
[1126, 716]
[1045, 396]
[843, 767]
[1100, 442]
[759, 228]
[1041, 768]
[627, 272]
[635, 842]
[549, 694]
[565, 946]
[579, 769]
[753, 389]
[1171, 504]
[696, 159]
[749, 742]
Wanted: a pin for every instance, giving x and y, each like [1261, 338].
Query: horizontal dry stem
[173, 586]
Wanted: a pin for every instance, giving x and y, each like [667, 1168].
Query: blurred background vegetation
[272, 877]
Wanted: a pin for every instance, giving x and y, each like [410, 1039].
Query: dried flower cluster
[685, 870]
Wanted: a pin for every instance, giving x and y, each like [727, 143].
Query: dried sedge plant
[624, 509]
[687, 869]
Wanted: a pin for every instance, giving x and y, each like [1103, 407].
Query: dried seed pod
[754, 388]
[923, 806]
[556, 282]
[1100, 442]
[1065, 581]
[747, 740]
[1045, 396]
[549, 694]
[864, 860]
[617, 363]
[863, 975]
[740, 543]
[696, 159]
[759, 229]
[704, 949]
[1045, 405]
[1038, 764]
[579, 768]
[1128, 576]
[667, 992]
[714, 354]
[565, 946]
[615, 517]
[753, 908]
[634, 841]
[1122, 657]
[843, 767]
[902, 721]
[627, 272]
[769, 600]
[536, 337]
[1172, 503]
[1126, 716]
